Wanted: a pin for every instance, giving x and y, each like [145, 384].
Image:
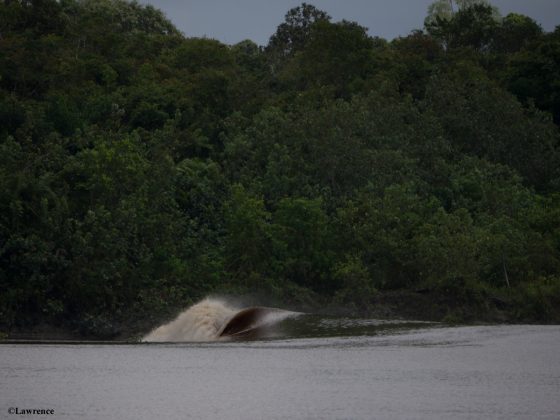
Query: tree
[515, 32]
[474, 26]
[40, 17]
[534, 72]
[416, 57]
[481, 119]
[293, 33]
[442, 9]
[335, 54]
[302, 229]
[445, 9]
[248, 241]
[141, 170]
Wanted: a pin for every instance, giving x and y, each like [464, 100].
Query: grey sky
[231, 21]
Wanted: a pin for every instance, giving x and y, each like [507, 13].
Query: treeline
[141, 170]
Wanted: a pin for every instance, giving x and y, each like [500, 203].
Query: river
[357, 369]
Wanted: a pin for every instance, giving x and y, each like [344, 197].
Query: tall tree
[445, 9]
[474, 27]
[336, 54]
[515, 32]
[293, 33]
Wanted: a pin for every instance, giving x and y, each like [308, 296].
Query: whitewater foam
[213, 320]
[201, 322]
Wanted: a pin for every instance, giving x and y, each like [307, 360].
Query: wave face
[201, 322]
[213, 320]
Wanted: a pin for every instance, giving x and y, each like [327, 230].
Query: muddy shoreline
[405, 305]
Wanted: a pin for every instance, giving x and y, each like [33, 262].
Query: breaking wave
[214, 320]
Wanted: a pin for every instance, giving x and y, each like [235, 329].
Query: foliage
[445, 9]
[473, 26]
[141, 170]
[292, 34]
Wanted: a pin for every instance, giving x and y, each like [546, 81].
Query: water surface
[344, 369]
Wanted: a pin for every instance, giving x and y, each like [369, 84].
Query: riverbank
[500, 307]
[497, 307]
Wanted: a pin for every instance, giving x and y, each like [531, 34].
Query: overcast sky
[231, 21]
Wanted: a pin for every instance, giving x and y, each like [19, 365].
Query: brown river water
[307, 368]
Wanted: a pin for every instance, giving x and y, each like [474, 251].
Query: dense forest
[141, 170]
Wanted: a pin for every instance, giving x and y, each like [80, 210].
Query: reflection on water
[310, 368]
[315, 326]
